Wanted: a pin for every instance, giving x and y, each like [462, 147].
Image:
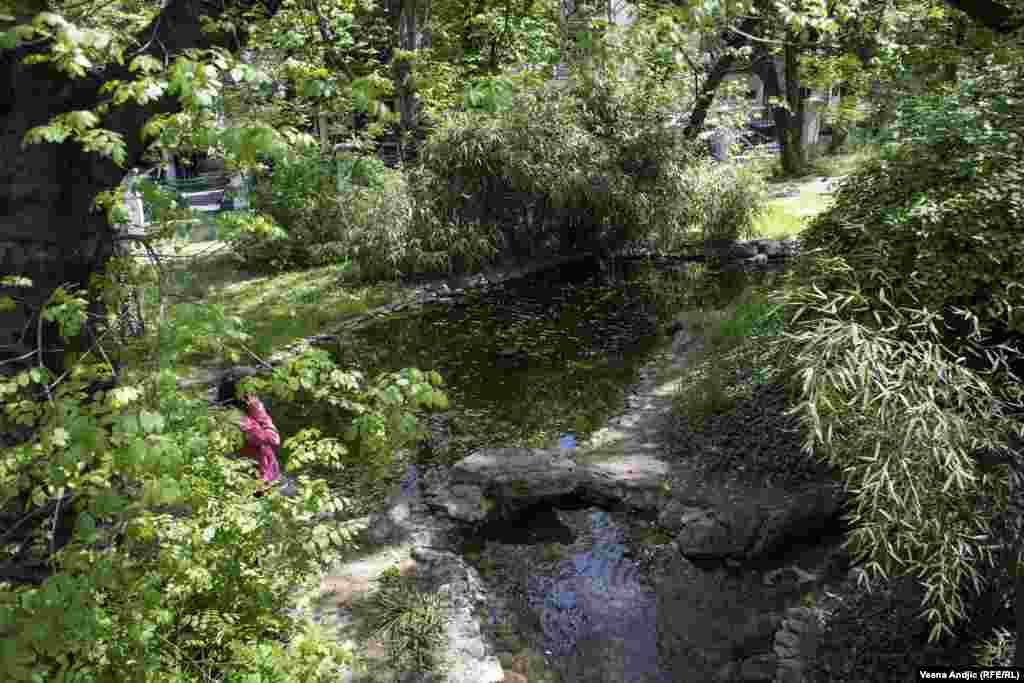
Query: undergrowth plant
[313, 211]
[919, 437]
[733, 340]
[577, 166]
[904, 344]
[411, 622]
[143, 551]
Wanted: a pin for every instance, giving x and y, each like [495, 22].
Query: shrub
[912, 280]
[354, 209]
[886, 402]
[255, 240]
[160, 563]
[411, 622]
[735, 339]
[940, 213]
[583, 168]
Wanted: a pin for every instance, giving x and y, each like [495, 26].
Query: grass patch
[529, 664]
[820, 164]
[845, 163]
[778, 221]
[731, 353]
[276, 309]
[281, 308]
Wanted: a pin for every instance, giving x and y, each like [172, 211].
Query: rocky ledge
[737, 524]
[737, 527]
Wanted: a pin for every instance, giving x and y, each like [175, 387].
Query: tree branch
[999, 18]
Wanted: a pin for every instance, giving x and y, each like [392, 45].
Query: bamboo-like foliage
[903, 418]
[412, 623]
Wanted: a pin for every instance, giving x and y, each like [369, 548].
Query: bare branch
[999, 18]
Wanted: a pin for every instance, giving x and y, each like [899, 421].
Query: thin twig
[21, 357]
[53, 528]
[113, 371]
[39, 349]
[40, 510]
[259, 360]
[84, 355]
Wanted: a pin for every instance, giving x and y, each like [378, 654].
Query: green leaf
[145, 64]
[87, 527]
[9, 40]
[151, 423]
[49, 133]
[15, 281]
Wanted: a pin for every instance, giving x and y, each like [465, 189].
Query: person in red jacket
[261, 439]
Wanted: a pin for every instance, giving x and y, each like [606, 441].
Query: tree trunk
[1018, 654]
[788, 119]
[839, 135]
[48, 230]
[791, 140]
[409, 17]
[996, 16]
[719, 71]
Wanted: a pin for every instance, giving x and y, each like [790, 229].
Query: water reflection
[595, 600]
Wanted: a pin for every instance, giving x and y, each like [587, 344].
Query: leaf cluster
[159, 562]
[899, 321]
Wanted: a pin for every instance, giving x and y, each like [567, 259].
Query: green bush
[735, 339]
[170, 570]
[255, 240]
[940, 212]
[916, 408]
[884, 400]
[352, 209]
[412, 623]
[582, 167]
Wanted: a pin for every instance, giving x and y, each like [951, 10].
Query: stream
[545, 361]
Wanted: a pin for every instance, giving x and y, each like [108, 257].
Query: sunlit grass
[732, 338]
[283, 308]
[778, 222]
[277, 309]
[828, 165]
[787, 216]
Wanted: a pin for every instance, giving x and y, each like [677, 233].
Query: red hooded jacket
[261, 440]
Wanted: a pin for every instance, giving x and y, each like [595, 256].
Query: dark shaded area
[999, 18]
[525, 360]
[49, 231]
[755, 433]
[535, 525]
[881, 637]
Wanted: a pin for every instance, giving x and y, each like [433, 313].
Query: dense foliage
[310, 211]
[940, 212]
[149, 556]
[159, 563]
[914, 406]
[584, 166]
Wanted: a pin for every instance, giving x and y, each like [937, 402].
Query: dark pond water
[539, 360]
[544, 361]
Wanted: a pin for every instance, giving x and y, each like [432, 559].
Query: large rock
[730, 250]
[634, 481]
[499, 482]
[775, 248]
[744, 530]
[407, 518]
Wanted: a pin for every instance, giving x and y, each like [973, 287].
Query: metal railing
[202, 182]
